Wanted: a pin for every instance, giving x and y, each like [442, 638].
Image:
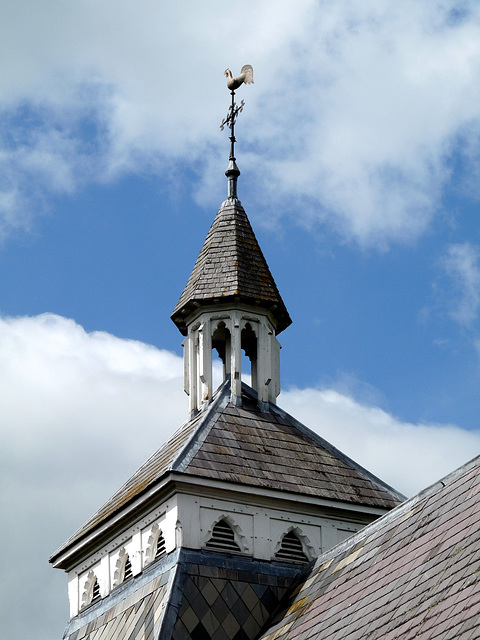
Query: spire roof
[231, 267]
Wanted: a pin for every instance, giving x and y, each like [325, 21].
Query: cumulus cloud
[355, 113]
[81, 411]
[462, 265]
[407, 456]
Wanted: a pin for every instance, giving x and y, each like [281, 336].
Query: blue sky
[359, 151]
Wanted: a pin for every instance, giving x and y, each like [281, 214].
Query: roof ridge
[402, 509]
[407, 570]
[210, 415]
[254, 433]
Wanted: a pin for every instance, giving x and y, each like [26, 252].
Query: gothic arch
[249, 339]
[307, 546]
[221, 337]
[119, 575]
[250, 324]
[156, 536]
[239, 538]
[91, 590]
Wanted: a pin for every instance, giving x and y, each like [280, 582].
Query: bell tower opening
[221, 343]
[249, 350]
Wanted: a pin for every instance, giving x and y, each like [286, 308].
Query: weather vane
[246, 76]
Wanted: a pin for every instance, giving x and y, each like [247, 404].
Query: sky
[359, 147]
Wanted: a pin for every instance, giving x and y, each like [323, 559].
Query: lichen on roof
[414, 573]
[261, 449]
[231, 266]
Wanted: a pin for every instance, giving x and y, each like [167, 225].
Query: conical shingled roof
[231, 266]
[244, 445]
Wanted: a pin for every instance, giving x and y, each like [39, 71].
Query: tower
[205, 538]
[231, 304]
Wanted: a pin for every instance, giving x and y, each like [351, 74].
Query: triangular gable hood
[231, 267]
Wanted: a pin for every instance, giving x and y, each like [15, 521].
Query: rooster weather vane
[246, 76]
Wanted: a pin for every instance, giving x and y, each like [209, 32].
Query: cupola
[231, 304]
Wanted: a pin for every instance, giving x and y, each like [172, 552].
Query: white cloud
[81, 411]
[462, 265]
[407, 456]
[352, 121]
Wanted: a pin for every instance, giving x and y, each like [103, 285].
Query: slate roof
[259, 449]
[136, 609]
[231, 266]
[414, 573]
[188, 595]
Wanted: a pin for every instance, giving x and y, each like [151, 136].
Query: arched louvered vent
[127, 572]
[223, 538]
[291, 549]
[96, 591]
[160, 550]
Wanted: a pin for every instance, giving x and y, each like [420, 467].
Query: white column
[264, 364]
[205, 361]
[227, 365]
[275, 388]
[186, 365]
[74, 593]
[192, 376]
[236, 360]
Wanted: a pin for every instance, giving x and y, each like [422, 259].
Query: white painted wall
[187, 521]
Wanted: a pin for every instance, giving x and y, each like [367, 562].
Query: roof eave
[183, 315]
[174, 482]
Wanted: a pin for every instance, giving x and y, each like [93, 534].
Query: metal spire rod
[246, 76]
[232, 171]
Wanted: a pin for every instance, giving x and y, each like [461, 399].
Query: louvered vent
[127, 572]
[161, 551]
[291, 549]
[223, 538]
[96, 591]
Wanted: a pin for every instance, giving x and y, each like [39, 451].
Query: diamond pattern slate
[226, 604]
[231, 266]
[191, 595]
[415, 573]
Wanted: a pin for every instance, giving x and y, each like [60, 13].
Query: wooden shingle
[231, 267]
[259, 449]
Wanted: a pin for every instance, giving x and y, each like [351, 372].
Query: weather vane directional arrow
[246, 76]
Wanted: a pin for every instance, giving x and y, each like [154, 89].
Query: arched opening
[91, 592]
[95, 591]
[221, 343]
[160, 550]
[291, 549]
[127, 570]
[249, 355]
[123, 568]
[222, 538]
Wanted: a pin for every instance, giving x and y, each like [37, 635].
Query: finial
[246, 76]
